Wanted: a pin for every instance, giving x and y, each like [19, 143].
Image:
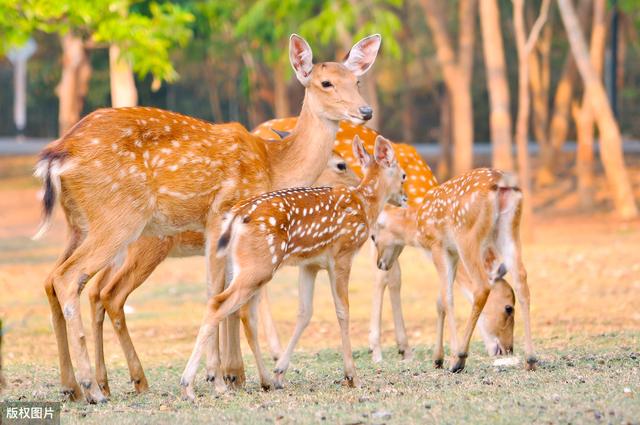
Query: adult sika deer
[125, 173]
[315, 228]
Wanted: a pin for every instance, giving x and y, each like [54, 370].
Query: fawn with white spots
[469, 219]
[141, 261]
[397, 228]
[315, 228]
[420, 179]
[125, 173]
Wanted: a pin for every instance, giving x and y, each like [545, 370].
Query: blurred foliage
[144, 31]
[229, 53]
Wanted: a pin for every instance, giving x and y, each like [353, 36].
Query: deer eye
[373, 238]
[326, 84]
[404, 176]
[342, 166]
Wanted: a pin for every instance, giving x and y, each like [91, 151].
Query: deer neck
[370, 192]
[302, 156]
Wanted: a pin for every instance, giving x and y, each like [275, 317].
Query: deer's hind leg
[509, 245]
[143, 256]
[243, 286]
[97, 324]
[68, 381]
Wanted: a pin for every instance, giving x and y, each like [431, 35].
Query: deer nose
[366, 112]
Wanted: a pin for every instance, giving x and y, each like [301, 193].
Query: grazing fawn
[130, 172]
[138, 265]
[468, 219]
[397, 228]
[311, 227]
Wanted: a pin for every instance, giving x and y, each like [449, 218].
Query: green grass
[593, 379]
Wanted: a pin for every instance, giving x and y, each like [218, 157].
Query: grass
[584, 273]
[583, 380]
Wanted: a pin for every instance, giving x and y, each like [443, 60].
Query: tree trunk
[539, 82]
[500, 118]
[123, 85]
[74, 81]
[457, 75]
[210, 71]
[585, 117]
[524, 45]
[281, 97]
[559, 127]
[444, 136]
[610, 137]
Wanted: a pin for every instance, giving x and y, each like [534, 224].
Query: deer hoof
[531, 363]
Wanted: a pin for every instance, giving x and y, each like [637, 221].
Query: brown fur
[143, 171]
[311, 227]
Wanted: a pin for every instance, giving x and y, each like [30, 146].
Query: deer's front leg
[395, 283]
[379, 285]
[339, 277]
[306, 282]
[445, 264]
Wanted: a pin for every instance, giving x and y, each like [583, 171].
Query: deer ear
[363, 54]
[383, 152]
[301, 58]
[360, 152]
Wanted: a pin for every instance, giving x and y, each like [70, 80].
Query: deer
[397, 228]
[111, 288]
[474, 219]
[419, 180]
[126, 173]
[496, 323]
[315, 228]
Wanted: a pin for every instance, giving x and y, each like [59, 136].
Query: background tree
[143, 36]
[524, 45]
[498, 85]
[456, 73]
[610, 137]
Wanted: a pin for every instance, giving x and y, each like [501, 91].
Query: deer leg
[232, 363]
[473, 263]
[268, 326]
[438, 353]
[306, 283]
[339, 277]
[68, 281]
[97, 324]
[445, 263]
[379, 285]
[248, 315]
[143, 257]
[70, 386]
[395, 283]
[241, 289]
[509, 245]
[215, 285]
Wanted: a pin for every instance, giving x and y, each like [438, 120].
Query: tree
[524, 45]
[456, 71]
[610, 137]
[500, 116]
[584, 115]
[144, 37]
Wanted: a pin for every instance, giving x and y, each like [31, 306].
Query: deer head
[333, 87]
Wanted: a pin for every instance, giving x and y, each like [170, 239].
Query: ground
[584, 272]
